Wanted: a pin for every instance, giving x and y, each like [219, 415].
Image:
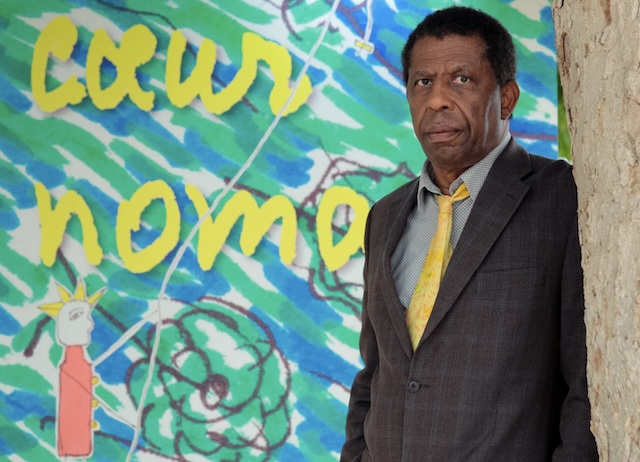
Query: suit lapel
[396, 217]
[496, 203]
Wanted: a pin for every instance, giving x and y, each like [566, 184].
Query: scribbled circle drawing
[221, 386]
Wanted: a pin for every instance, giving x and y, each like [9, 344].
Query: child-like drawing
[75, 424]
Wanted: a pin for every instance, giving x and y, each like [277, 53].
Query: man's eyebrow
[455, 69]
[458, 68]
[420, 73]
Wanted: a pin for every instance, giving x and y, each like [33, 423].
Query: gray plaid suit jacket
[499, 374]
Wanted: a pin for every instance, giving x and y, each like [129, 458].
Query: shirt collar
[473, 177]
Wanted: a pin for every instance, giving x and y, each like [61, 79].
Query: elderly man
[473, 337]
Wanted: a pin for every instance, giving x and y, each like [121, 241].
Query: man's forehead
[451, 41]
[451, 50]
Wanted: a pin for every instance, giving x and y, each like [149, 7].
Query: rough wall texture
[599, 59]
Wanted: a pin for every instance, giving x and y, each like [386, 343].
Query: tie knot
[445, 203]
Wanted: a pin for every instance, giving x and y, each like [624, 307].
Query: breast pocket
[513, 280]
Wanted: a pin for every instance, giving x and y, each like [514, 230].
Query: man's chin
[441, 151]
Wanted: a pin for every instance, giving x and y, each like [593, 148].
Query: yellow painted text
[214, 231]
[137, 47]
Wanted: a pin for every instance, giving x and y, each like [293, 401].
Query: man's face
[456, 104]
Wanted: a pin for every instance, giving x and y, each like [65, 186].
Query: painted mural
[184, 186]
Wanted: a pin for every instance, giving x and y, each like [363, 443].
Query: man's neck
[443, 179]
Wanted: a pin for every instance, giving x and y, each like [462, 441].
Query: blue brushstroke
[14, 98]
[289, 173]
[8, 218]
[20, 404]
[49, 175]
[296, 291]
[114, 369]
[533, 127]
[328, 436]
[548, 40]
[8, 324]
[97, 200]
[532, 84]
[316, 358]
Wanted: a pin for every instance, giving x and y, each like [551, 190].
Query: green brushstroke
[24, 378]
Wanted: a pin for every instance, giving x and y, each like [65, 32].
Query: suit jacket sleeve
[360, 391]
[576, 440]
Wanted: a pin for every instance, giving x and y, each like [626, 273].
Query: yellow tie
[435, 265]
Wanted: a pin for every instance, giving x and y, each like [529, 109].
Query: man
[488, 364]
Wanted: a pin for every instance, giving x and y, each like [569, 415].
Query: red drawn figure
[75, 424]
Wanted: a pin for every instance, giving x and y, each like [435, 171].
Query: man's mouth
[441, 134]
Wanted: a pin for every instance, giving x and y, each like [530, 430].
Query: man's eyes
[458, 79]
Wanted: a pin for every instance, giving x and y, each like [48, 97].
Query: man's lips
[441, 133]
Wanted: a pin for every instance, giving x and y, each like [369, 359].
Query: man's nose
[440, 97]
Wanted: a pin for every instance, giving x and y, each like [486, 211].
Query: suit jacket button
[413, 386]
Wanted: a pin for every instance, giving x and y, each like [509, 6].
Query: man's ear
[509, 94]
